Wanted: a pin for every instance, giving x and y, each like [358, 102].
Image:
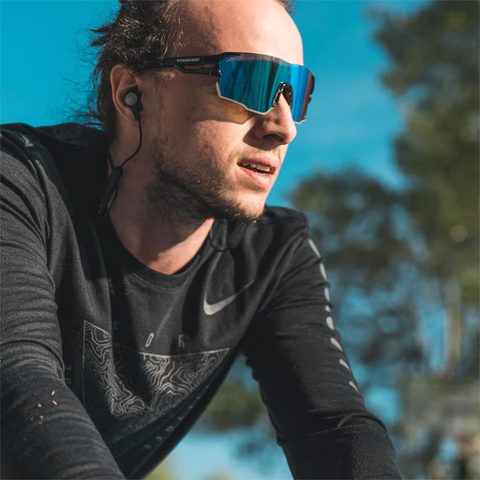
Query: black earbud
[132, 100]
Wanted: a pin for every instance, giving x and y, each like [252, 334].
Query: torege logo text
[193, 59]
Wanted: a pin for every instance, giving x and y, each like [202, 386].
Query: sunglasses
[254, 81]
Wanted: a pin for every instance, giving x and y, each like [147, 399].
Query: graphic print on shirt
[124, 390]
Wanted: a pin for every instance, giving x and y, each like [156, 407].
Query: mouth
[260, 167]
[258, 174]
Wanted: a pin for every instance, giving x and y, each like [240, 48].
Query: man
[118, 328]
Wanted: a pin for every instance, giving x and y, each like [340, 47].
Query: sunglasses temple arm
[199, 71]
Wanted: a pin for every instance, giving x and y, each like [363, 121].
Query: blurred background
[387, 169]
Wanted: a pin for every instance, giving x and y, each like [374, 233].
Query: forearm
[46, 433]
[358, 447]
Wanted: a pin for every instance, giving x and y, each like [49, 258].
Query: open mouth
[261, 169]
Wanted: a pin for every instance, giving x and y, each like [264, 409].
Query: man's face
[200, 144]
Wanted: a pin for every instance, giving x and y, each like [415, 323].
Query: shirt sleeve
[46, 433]
[306, 382]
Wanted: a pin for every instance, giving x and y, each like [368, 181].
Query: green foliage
[435, 71]
[224, 475]
[237, 407]
[164, 471]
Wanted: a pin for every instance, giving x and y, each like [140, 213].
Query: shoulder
[21, 156]
[279, 232]
[19, 140]
[24, 145]
[28, 164]
[56, 158]
[279, 223]
[282, 217]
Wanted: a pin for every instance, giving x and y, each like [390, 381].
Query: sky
[352, 120]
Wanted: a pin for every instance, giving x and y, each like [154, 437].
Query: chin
[240, 211]
[249, 211]
[255, 211]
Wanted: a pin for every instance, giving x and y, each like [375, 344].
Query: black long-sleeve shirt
[106, 364]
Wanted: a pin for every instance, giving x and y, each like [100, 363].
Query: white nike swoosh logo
[212, 309]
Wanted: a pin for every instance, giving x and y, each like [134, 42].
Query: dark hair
[142, 31]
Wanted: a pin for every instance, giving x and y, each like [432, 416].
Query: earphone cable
[113, 182]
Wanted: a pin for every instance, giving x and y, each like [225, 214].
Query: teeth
[262, 168]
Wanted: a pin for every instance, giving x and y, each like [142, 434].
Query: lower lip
[264, 181]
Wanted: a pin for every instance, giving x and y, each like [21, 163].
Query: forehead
[252, 26]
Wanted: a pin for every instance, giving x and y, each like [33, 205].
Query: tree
[435, 72]
[164, 471]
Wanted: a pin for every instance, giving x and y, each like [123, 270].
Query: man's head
[204, 150]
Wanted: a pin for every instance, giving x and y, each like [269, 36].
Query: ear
[121, 80]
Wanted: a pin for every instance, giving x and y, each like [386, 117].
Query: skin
[187, 171]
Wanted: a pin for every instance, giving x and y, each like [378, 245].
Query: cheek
[227, 111]
[189, 101]
[206, 104]
[217, 140]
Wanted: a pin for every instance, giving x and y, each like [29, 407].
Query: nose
[277, 126]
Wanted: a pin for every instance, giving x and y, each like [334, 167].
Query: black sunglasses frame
[180, 63]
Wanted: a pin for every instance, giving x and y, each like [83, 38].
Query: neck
[162, 246]
[166, 244]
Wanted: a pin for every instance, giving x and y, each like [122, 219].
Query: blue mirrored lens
[254, 80]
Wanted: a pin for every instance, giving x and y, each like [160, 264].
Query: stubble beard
[179, 194]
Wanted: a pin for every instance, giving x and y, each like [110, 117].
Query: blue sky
[352, 118]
